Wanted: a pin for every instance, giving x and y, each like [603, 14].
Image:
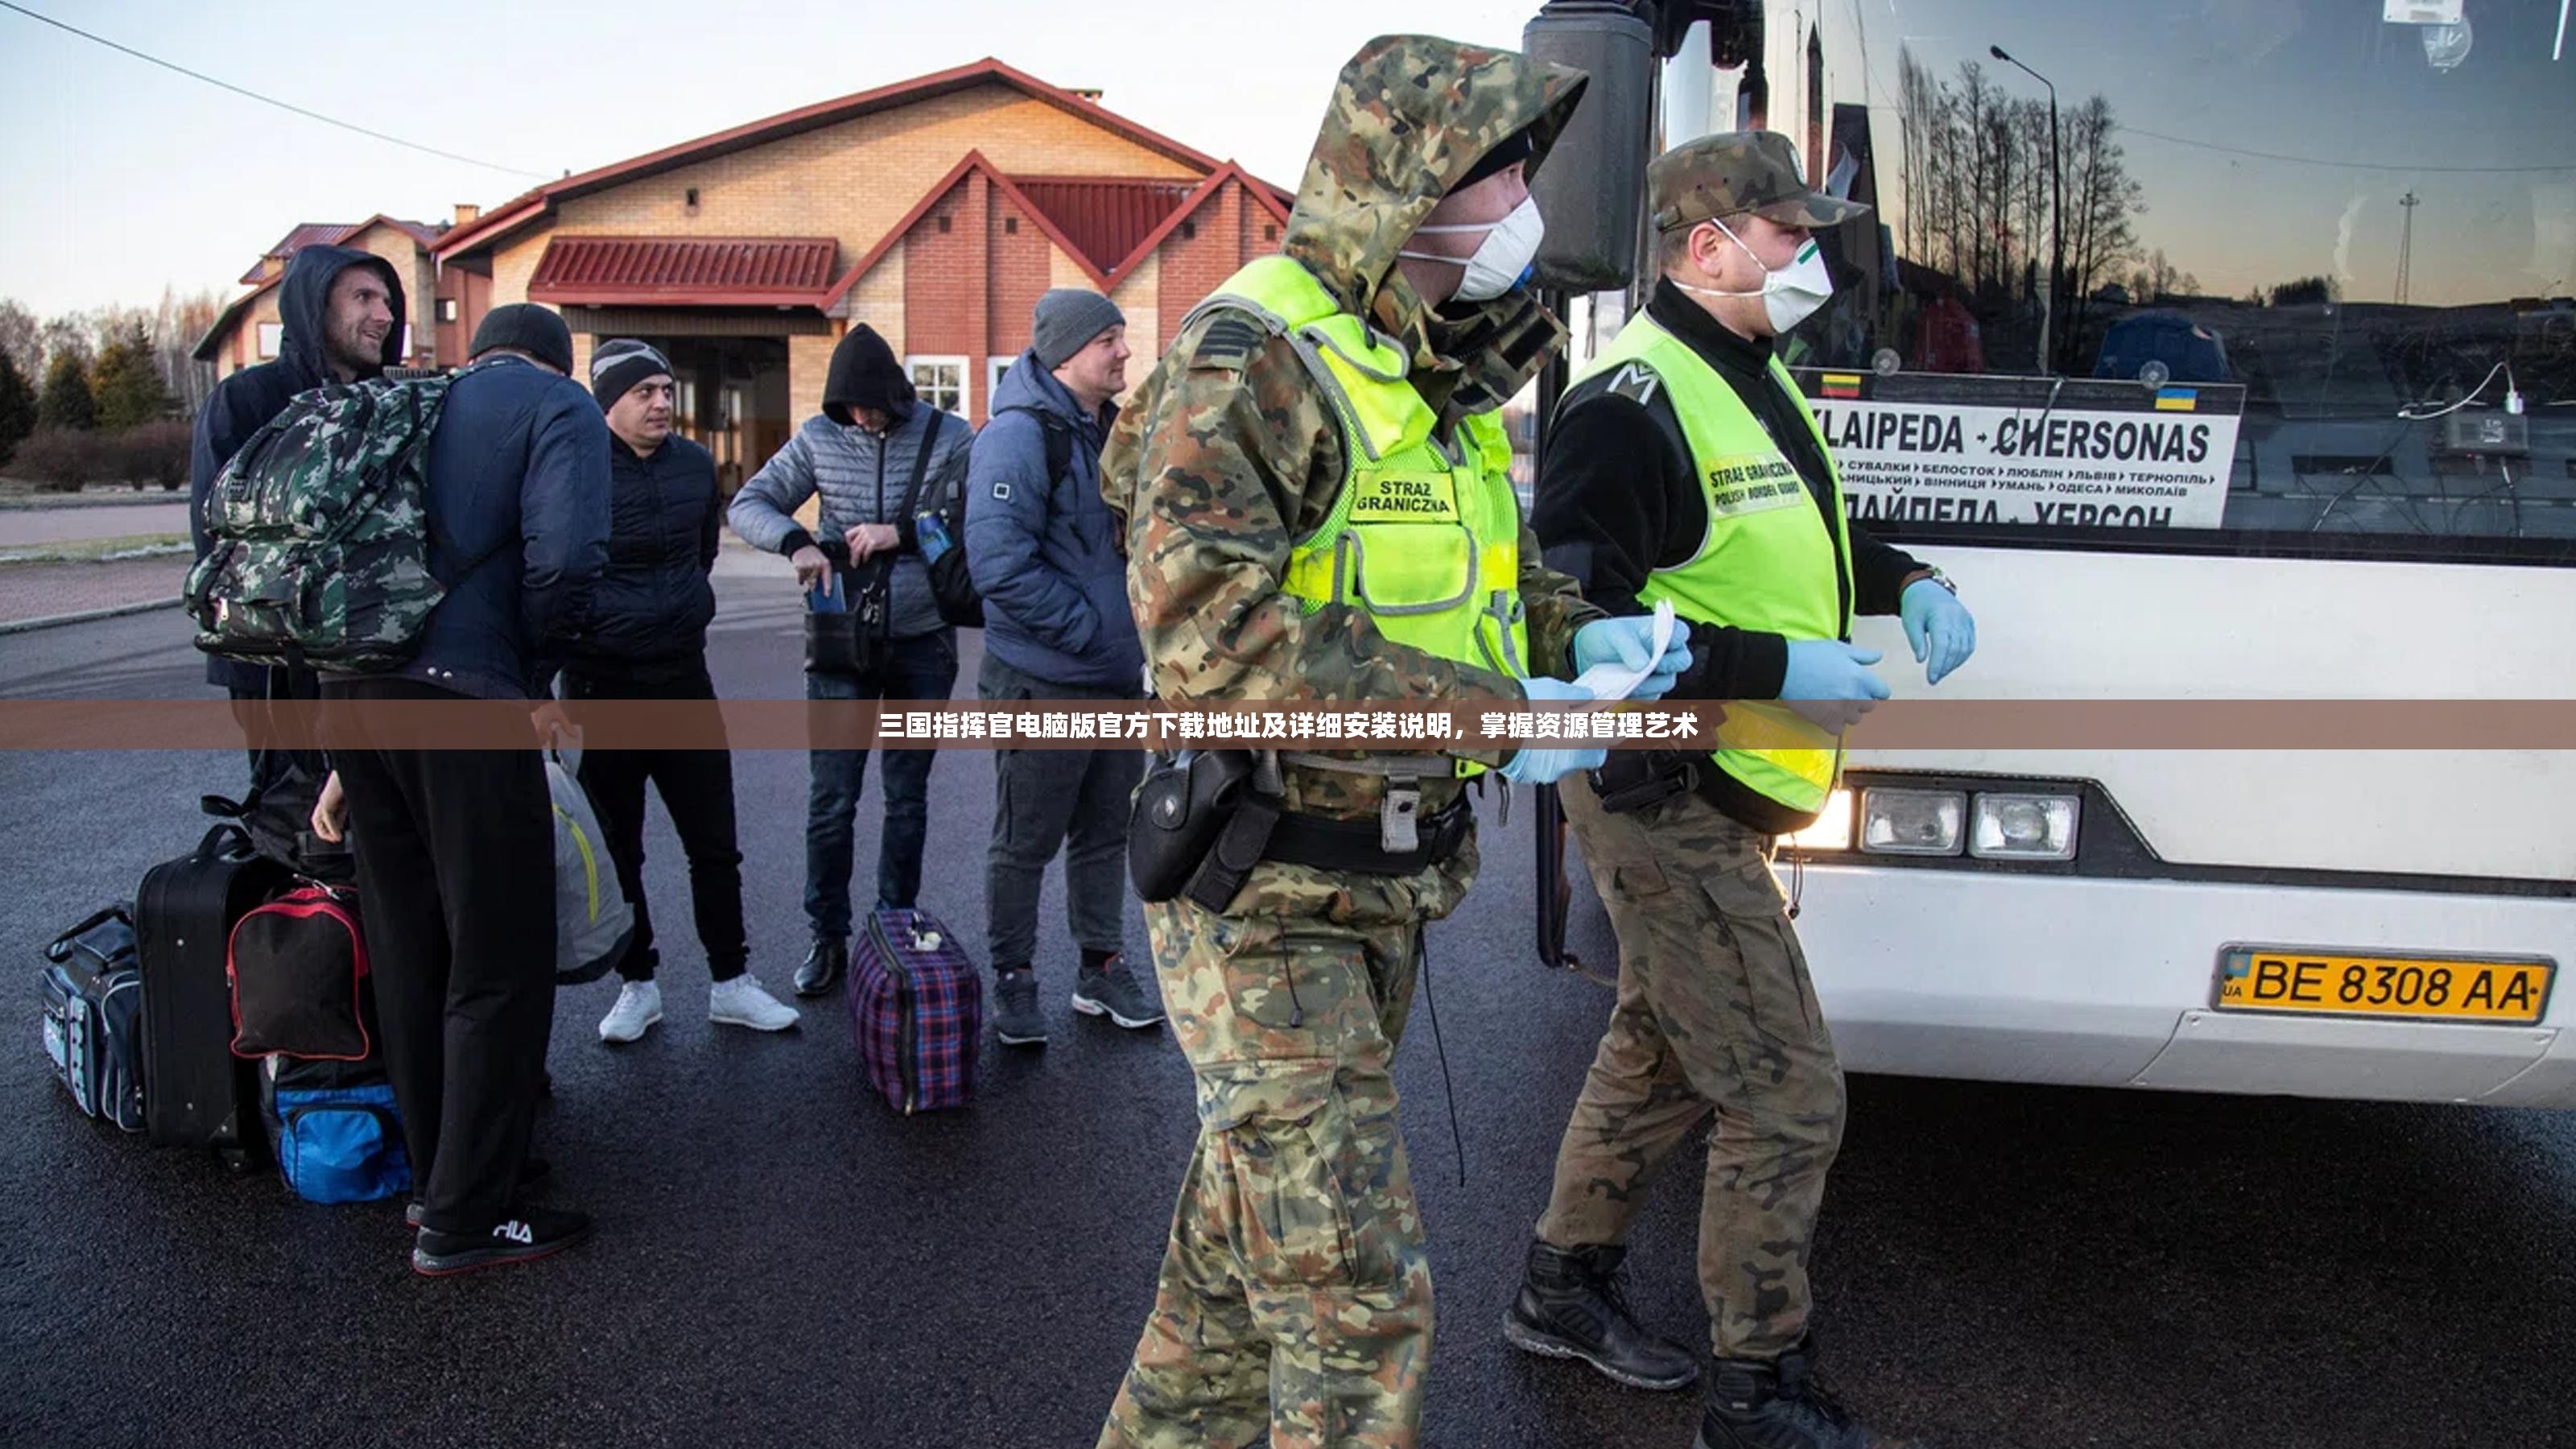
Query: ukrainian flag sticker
[2177, 400]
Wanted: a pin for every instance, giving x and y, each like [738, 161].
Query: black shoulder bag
[859, 638]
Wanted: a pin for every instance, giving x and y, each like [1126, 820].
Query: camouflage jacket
[1227, 454]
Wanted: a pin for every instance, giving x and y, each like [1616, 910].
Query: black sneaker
[823, 966]
[1112, 991]
[533, 1173]
[1757, 1405]
[530, 1234]
[1016, 1021]
[1572, 1305]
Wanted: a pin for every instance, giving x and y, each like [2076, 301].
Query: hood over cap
[1411, 116]
[304, 306]
[865, 374]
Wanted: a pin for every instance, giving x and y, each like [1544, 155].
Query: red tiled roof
[683, 271]
[535, 204]
[306, 235]
[1105, 217]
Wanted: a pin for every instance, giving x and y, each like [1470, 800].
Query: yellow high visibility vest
[1426, 543]
[1768, 561]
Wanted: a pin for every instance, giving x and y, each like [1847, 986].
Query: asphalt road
[782, 1261]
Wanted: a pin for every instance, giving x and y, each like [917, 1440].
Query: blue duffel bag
[339, 1136]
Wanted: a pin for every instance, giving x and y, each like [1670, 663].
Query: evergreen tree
[126, 381]
[67, 402]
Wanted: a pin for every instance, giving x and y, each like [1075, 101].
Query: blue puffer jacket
[1044, 550]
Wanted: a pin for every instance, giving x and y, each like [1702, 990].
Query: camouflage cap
[1739, 171]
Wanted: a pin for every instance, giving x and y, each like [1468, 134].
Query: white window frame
[994, 367]
[270, 343]
[965, 378]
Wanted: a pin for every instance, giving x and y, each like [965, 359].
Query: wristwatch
[1936, 576]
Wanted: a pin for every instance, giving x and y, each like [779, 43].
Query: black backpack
[952, 585]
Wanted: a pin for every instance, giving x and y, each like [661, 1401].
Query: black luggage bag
[198, 1094]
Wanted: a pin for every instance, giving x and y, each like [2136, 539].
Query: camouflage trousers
[1295, 1297]
[1715, 1013]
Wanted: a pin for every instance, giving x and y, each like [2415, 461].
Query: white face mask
[1790, 295]
[1499, 262]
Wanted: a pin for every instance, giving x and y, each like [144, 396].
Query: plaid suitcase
[918, 1006]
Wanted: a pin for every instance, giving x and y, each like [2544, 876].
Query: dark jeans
[922, 668]
[456, 886]
[697, 788]
[1076, 800]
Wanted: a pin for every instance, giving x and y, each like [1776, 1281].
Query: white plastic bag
[592, 917]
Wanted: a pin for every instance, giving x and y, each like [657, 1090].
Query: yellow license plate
[2511, 990]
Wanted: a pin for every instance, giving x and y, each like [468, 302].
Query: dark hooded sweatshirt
[244, 403]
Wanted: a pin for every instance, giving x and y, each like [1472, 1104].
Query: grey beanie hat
[1066, 321]
[620, 363]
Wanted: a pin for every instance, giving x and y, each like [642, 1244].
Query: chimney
[467, 213]
[1091, 94]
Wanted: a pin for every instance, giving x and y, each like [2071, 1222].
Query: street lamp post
[2056, 206]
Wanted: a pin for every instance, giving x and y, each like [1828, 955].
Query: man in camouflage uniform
[1685, 468]
[1295, 1297]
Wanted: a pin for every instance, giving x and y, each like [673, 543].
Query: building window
[943, 226]
[406, 343]
[272, 339]
[994, 368]
[941, 382]
[447, 309]
[1270, 231]
[1010, 226]
[1189, 231]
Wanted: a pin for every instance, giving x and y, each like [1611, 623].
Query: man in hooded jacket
[858, 456]
[1267, 559]
[341, 314]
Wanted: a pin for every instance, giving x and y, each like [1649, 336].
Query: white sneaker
[744, 1002]
[639, 1005]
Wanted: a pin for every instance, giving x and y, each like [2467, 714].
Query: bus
[2217, 353]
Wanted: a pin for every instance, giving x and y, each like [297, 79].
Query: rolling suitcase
[197, 1093]
[919, 1009]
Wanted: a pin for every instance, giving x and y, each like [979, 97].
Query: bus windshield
[2268, 275]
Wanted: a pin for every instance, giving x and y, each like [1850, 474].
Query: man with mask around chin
[1317, 506]
[1684, 467]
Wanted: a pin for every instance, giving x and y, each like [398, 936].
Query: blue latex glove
[1624, 641]
[1831, 669]
[1939, 627]
[1546, 767]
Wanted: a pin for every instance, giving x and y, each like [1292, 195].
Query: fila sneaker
[528, 1234]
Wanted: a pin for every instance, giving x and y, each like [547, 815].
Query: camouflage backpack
[320, 532]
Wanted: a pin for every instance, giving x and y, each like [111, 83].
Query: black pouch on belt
[1184, 804]
[1631, 780]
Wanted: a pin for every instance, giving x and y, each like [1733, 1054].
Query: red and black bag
[298, 969]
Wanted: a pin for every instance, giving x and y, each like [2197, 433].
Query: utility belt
[1204, 818]
[1633, 780]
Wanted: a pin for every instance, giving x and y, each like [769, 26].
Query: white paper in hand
[1609, 681]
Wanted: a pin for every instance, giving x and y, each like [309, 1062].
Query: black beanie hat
[864, 374]
[528, 328]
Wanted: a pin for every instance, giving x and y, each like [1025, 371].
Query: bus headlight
[1832, 830]
[1911, 822]
[2024, 827]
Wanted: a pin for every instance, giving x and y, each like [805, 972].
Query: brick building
[935, 211]
[248, 330]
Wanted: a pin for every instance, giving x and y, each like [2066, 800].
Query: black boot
[1570, 1306]
[1758, 1405]
[823, 966]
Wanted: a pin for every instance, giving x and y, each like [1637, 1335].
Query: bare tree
[22, 337]
[2101, 200]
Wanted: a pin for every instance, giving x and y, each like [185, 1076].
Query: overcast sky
[122, 177]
